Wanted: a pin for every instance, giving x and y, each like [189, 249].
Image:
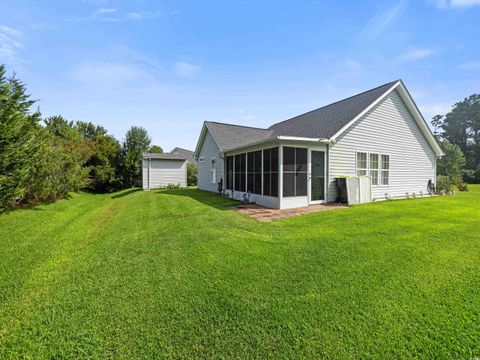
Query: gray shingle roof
[187, 154]
[320, 123]
[328, 120]
[230, 136]
[163, 156]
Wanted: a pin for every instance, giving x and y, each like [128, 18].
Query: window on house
[229, 182]
[294, 171]
[270, 172]
[374, 166]
[254, 172]
[361, 163]
[385, 180]
[213, 171]
[240, 168]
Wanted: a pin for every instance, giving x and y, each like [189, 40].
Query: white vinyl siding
[208, 152]
[160, 173]
[388, 128]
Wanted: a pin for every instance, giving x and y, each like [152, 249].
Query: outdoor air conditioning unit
[359, 190]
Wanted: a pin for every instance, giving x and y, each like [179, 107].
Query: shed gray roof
[163, 156]
[321, 123]
[328, 120]
[187, 154]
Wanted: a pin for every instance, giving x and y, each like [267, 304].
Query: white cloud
[105, 11]
[102, 74]
[112, 15]
[10, 44]
[417, 53]
[381, 20]
[450, 4]
[186, 70]
[474, 65]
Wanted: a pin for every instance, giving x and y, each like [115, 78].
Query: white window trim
[356, 162]
[378, 169]
[382, 169]
[380, 165]
[213, 170]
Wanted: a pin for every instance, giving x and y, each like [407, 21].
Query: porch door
[317, 176]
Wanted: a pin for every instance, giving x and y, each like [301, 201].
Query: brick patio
[266, 214]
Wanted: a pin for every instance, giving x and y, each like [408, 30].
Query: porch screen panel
[270, 172]
[294, 171]
[229, 182]
[254, 172]
[240, 164]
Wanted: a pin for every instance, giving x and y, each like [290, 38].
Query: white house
[379, 133]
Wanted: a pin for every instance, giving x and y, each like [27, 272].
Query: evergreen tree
[156, 149]
[18, 125]
[136, 142]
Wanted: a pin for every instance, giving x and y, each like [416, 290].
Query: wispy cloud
[381, 20]
[113, 75]
[417, 53]
[186, 70]
[10, 44]
[113, 15]
[473, 65]
[452, 4]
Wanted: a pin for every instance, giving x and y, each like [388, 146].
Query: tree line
[45, 159]
[459, 135]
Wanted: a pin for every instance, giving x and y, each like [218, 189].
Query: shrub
[444, 184]
[192, 177]
[172, 186]
[463, 187]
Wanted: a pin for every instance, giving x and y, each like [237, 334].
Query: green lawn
[178, 274]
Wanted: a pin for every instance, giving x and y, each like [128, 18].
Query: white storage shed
[161, 170]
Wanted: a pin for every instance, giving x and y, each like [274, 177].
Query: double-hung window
[374, 166]
[377, 166]
[213, 171]
[361, 163]
[385, 180]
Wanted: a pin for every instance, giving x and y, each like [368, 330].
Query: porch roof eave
[280, 138]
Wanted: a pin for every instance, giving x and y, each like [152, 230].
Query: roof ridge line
[335, 102]
[243, 126]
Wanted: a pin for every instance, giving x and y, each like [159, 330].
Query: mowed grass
[179, 274]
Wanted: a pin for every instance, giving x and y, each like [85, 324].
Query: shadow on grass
[207, 198]
[125, 193]
[35, 206]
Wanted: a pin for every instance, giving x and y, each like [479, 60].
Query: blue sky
[170, 65]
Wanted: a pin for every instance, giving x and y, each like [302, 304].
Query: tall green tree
[136, 142]
[452, 163]
[155, 149]
[18, 124]
[104, 161]
[461, 127]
